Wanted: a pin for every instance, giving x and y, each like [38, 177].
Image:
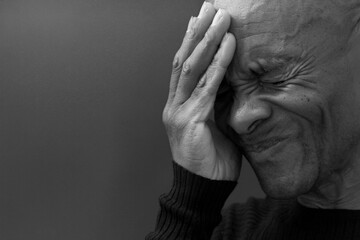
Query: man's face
[295, 107]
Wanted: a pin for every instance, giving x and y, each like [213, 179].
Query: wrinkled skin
[291, 98]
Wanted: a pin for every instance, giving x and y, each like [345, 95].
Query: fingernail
[218, 17]
[204, 9]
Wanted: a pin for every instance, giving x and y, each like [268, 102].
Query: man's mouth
[260, 146]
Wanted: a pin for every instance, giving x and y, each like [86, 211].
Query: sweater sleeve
[192, 208]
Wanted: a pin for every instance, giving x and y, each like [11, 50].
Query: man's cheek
[299, 103]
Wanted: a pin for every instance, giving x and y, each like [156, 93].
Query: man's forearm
[192, 209]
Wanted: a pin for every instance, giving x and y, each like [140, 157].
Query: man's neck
[341, 190]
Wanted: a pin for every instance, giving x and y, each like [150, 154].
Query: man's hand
[198, 69]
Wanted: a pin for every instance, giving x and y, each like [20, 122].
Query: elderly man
[283, 78]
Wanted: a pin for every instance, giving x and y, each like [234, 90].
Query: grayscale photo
[180, 120]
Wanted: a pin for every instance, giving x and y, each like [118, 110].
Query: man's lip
[260, 146]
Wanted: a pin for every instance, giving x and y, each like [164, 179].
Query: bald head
[292, 26]
[289, 16]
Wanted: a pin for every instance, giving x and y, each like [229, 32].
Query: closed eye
[278, 83]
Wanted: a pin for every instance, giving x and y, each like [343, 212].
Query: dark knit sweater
[192, 210]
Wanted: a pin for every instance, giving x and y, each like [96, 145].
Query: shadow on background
[83, 151]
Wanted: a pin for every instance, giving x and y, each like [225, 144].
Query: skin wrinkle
[248, 35]
[247, 31]
[292, 70]
[267, 59]
[318, 105]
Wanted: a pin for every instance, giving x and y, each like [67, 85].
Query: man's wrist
[196, 192]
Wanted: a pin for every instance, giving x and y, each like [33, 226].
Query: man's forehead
[242, 8]
[262, 27]
[276, 26]
[282, 16]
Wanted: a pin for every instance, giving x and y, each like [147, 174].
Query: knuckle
[167, 114]
[193, 33]
[187, 67]
[205, 86]
[165, 117]
[210, 38]
[203, 80]
[169, 119]
[176, 62]
[174, 125]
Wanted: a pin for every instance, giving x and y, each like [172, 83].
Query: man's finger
[203, 96]
[201, 57]
[195, 32]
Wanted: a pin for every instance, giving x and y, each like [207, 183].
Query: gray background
[82, 85]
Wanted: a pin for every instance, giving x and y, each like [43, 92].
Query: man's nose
[246, 114]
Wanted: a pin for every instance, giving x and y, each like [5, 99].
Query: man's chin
[285, 173]
[284, 189]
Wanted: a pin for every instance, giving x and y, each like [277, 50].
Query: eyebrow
[276, 63]
[263, 52]
[267, 60]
